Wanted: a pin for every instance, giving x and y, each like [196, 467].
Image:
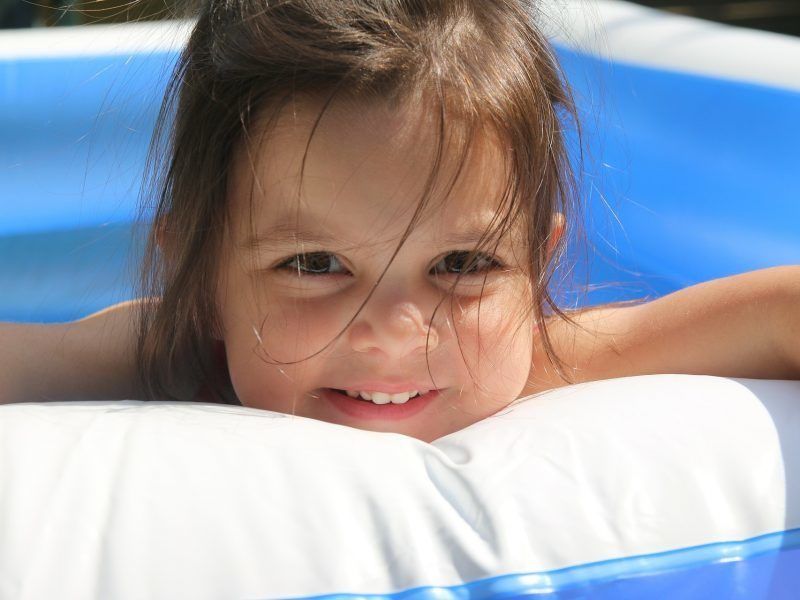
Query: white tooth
[413, 393]
[400, 398]
[352, 394]
[380, 398]
[366, 395]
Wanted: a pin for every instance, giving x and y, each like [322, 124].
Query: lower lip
[363, 409]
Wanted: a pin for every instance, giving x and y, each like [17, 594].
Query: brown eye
[465, 263]
[313, 263]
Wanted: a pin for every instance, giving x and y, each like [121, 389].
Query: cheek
[496, 341]
[275, 351]
[294, 330]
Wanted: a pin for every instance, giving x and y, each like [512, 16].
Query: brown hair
[483, 62]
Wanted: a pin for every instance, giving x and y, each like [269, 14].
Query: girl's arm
[746, 325]
[89, 359]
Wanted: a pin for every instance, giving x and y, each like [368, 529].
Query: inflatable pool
[662, 486]
[691, 130]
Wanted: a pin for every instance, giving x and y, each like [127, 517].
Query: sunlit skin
[364, 174]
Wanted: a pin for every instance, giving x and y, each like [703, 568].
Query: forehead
[366, 166]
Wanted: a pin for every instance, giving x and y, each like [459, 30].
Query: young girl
[358, 221]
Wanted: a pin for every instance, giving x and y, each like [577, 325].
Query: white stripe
[613, 29]
[94, 40]
[625, 32]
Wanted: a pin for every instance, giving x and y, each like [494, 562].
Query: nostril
[393, 334]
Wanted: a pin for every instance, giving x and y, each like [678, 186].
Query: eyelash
[292, 264]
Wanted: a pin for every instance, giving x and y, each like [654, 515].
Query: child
[358, 220]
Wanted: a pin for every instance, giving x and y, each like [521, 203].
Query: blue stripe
[691, 166]
[685, 178]
[767, 566]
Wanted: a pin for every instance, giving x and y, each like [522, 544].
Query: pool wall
[691, 157]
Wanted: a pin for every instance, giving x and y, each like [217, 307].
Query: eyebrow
[282, 235]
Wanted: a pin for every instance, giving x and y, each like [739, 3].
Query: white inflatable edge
[612, 29]
[95, 40]
[131, 500]
[625, 32]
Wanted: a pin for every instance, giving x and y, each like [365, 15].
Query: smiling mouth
[378, 409]
[383, 397]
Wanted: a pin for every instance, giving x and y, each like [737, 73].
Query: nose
[397, 330]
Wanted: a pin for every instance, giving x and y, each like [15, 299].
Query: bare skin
[88, 359]
[745, 325]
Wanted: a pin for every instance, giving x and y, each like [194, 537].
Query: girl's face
[290, 300]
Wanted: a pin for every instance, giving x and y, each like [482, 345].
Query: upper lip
[386, 386]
